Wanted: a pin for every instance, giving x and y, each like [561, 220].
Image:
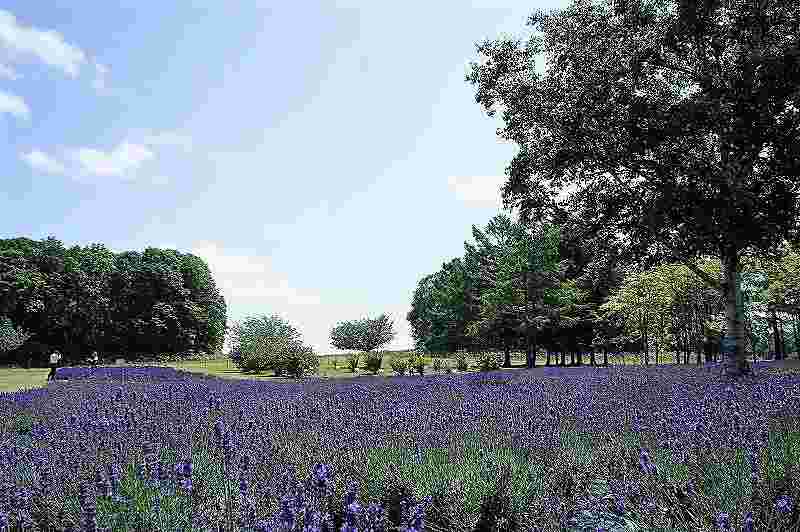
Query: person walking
[55, 357]
[94, 359]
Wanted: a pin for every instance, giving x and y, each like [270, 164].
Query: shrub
[461, 362]
[236, 357]
[437, 364]
[447, 367]
[265, 343]
[418, 363]
[399, 366]
[291, 358]
[373, 361]
[488, 361]
[300, 362]
[10, 337]
[352, 362]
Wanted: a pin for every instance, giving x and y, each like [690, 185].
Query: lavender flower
[783, 504]
[748, 522]
[723, 522]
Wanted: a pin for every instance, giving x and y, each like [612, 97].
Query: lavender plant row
[160, 449]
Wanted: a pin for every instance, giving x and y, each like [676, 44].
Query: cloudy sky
[322, 158]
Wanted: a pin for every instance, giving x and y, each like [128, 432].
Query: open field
[564, 441]
[576, 444]
[334, 366]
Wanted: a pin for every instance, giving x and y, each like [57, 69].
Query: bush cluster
[399, 366]
[373, 361]
[292, 359]
[352, 361]
[418, 363]
[488, 361]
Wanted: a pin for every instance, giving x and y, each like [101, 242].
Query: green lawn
[14, 379]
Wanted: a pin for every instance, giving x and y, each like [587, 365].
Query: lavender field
[617, 448]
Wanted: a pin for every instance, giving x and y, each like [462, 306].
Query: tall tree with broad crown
[365, 335]
[679, 126]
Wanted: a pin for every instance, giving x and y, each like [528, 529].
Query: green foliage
[128, 302]
[301, 362]
[461, 362]
[400, 366]
[11, 337]
[269, 343]
[373, 361]
[438, 365]
[365, 335]
[352, 362]
[496, 512]
[653, 207]
[417, 362]
[488, 361]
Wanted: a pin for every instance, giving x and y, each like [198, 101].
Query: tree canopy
[89, 298]
[365, 335]
[679, 128]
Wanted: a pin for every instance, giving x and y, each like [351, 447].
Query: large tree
[679, 128]
[520, 270]
[443, 304]
[85, 298]
[365, 335]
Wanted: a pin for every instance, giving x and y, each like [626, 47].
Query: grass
[334, 367]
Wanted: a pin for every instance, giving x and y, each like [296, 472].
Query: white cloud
[168, 138]
[8, 72]
[251, 287]
[485, 191]
[479, 191]
[101, 73]
[14, 105]
[124, 159]
[21, 42]
[43, 162]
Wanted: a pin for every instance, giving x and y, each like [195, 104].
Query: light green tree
[11, 337]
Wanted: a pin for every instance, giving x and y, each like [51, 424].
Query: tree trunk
[605, 355]
[506, 352]
[531, 350]
[736, 364]
[775, 334]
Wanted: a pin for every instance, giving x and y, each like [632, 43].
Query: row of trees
[514, 289]
[678, 124]
[89, 298]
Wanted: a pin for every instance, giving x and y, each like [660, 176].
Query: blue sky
[321, 158]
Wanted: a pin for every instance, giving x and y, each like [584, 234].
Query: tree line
[81, 299]
[677, 123]
[549, 289]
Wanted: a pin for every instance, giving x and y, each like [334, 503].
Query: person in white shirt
[54, 359]
[94, 359]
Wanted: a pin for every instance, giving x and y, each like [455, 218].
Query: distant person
[55, 357]
[94, 359]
